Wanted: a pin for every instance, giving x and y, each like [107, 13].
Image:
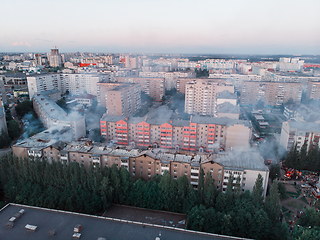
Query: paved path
[297, 200]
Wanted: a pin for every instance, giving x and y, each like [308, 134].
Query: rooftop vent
[31, 227]
[76, 235]
[10, 224]
[77, 228]
[52, 232]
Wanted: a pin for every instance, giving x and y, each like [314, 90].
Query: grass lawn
[295, 204]
[293, 194]
[304, 200]
[288, 216]
[284, 209]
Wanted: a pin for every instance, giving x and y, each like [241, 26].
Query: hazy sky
[161, 26]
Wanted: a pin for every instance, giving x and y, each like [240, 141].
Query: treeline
[304, 159]
[70, 187]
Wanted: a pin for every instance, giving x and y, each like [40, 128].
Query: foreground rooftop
[93, 227]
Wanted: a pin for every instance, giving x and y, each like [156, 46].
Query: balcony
[194, 170]
[194, 183]
[194, 177]
[164, 168]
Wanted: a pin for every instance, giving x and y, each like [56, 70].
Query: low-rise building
[51, 115]
[146, 164]
[86, 99]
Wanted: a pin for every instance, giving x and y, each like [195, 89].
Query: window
[185, 166]
[106, 164]
[149, 163]
[175, 171]
[141, 168]
[211, 169]
[185, 173]
[219, 170]
[244, 179]
[140, 162]
[174, 177]
[175, 165]
[244, 172]
[81, 156]
[116, 159]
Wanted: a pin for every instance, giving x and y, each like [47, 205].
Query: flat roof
[93, 227]
[249, 160]
[51, 109]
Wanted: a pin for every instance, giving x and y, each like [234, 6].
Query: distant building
[313, 90]
[272, 94]
[75, 84]
[201, 96]
[55, 58]
[38, 59]
[154, 87]
[3, 123]
[3, 94]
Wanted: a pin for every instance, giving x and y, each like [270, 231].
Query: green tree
[4, 139]
[14, 129]
[201, 186]
[23, 108]
[305, 233]
[257, 192]
[210, 191]
[273, 209]
[274, 171]
[260, 225]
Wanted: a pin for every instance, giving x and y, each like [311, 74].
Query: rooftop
[46, 138]
[50, 107]
[249, 160]
[227, 107]
[226, 95]
[93, 227]
[86, 96]
[310, 127]
[48, 92]
[220, 121]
